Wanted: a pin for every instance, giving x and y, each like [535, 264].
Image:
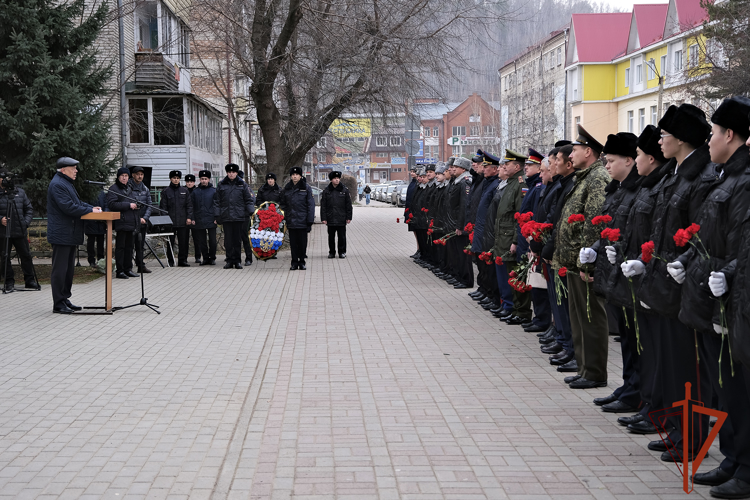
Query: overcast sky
[628, 4]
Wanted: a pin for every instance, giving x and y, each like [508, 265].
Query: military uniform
[458, 196]
[177, 202]
[484, 235]
[205, 221]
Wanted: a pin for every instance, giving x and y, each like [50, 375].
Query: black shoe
[170, 263]
[675, 454]
[633, 419]
[489, 305]
[734, 488]
[571, 378]
[228, 266]
[549, 331]
[526, 324]
[563, 358]
[132, 274]
[294, 266]
[547, 340]
[248, 262]
[553, 348]
[583, 383]
[642, 427]
[33, 285]
[63, 309]
[618, 407]
[661, 447]
[534, 328]
[342, 256]
[461, 286]
[302, 267]
[486, 300]
[617, 339]
[72, 306]
[183, 264]
[238, 266]
[605, 400]
[9, 287]
[332, 255]
[121, 276]
[145, 270]
[475, 293]
[212, 262]
[415, 255]
[570, 366]
[507, 313]
[479, 298]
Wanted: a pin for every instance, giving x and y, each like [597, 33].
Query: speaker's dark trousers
[21, 245]
[61, 277]
[206, 243]
[95, 247]
[233, 242]
[124, 251]
[332, 232]
[182, 235]
[246, 240]
[298, 245]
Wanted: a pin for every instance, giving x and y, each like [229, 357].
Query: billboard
[355, 127]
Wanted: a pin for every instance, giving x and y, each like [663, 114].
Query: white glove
[717, 282]
[611, 255]
[677, 271]
[644, 305]
[587, 255]
[632, 268]
[717, 329]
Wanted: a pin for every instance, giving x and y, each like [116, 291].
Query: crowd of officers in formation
[678, 298]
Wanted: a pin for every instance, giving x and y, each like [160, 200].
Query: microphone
[95, 183]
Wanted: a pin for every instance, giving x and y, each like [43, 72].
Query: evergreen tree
[727, 51]
[50, 82]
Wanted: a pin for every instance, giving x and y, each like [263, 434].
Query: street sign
[413, 147]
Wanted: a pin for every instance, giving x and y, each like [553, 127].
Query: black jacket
[475, 196]
[678, 203]
[178, 203]
[458, 195]
[116, 202]
[410, 190]
[418, 202]
[298, 205]
[738, 276]
[544, 207]
[637, 232]
[335, 205]
[440, 206]
[720, 220]
[203, 206]
[268, 193]
[96, 227]
[143, 195]
[20, 218]
[618, 200]
[566, 186]
[232, 201]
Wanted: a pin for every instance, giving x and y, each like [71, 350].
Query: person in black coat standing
[269, 192]
[298, 205]
[190, 186]
[336, 213]
[232, 205]
[15, 217]
[178, 203]
[245, 233]
[129, 223]
[95, 231]
[64, 232]
[205, 222]
[143, 195]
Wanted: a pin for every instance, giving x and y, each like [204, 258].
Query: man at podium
[64, 231]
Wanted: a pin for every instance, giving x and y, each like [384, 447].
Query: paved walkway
[364, 378]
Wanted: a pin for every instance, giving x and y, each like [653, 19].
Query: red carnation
[513, 274]
[398, 220]
[611, 234]
[601, 219]
[466, 251]
[499, 261]
[471, 237]
[562, 272]
[576, 218]
[432, 222]
[693, 229]
[406, 210]
[429, 231]
[523, 218]
[469, 228]
[681, 237]
[647, 251]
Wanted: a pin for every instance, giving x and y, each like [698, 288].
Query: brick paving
[363, 378]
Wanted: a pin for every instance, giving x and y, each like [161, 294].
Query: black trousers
[61, 278]
[630, 390]
[233, 242]
[182, 234]
[424, 249]
[21, 244]
[246, 240]
[206, 243]
[194, 235]
[332, 232]
[649, 375]
[462, 262]
[124, 245]
[95, 247]
[298, 244]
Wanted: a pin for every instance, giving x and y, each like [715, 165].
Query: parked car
[388, 198]
[380, 190]
[401, 196]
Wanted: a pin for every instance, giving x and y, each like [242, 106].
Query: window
[651, 69]
[395, 170]
[456, 150]
[627, 77]
[458, 131]
[559, 56]
[489, 130]
[638, 73]
[475, 130]
[323, 176]
[475, 118]
[654, 119]
[382, 154]
[169, 122]
[322, 142]
[574, 84]
[435, 132]
[630, 122]
[138, 110]
[308, 157]
[396, 140]
[376, 176]
[693, 54]
[382, 141]
[678, 60]
[147, 31]
[663, 65]
[321, 157]
[641, 119]
[578, 120]
[427, 131]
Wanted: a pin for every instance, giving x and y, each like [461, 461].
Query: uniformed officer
[245, 233]
[419, 219]
[141, 193]
[190, 186]
[205, 222]
[178, 203]
[484, 232]
[298, 205]
[336, 213]
[232, 205]
[410, 190]
[458, 200]
[118, 200]
[439, 203]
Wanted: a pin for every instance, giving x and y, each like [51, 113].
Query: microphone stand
[144, 299]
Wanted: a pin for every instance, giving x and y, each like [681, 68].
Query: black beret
[622, 143]
[562, 143]
[586, 139]
[204, 173]
[232, 167]
[334, 175]
[136, 169]
[189, 178]
[270, 175]
[648, 142]
[687, 123]
[733, 114]
[295, 170]
[175, 173]
[66, 162]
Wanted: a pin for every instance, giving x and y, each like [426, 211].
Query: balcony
[153, 71]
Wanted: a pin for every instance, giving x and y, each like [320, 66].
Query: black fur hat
[175, 173]
[189, 178]
[333, 175]
[204, 173]
[232, 167]
[648, 141]
[622, 143]
[733, 114]
[687, 123]
[295, 170]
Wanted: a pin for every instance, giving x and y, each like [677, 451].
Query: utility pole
[661, 95]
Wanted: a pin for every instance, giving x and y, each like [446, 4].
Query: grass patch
[83, 274]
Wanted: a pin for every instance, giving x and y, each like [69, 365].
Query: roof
[434, 111]
[600, 37]
[535, 45]
[690, 13]
[650, 19]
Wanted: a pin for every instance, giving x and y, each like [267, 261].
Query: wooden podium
[108, 217]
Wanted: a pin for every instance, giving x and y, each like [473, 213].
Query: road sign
[412, 147]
